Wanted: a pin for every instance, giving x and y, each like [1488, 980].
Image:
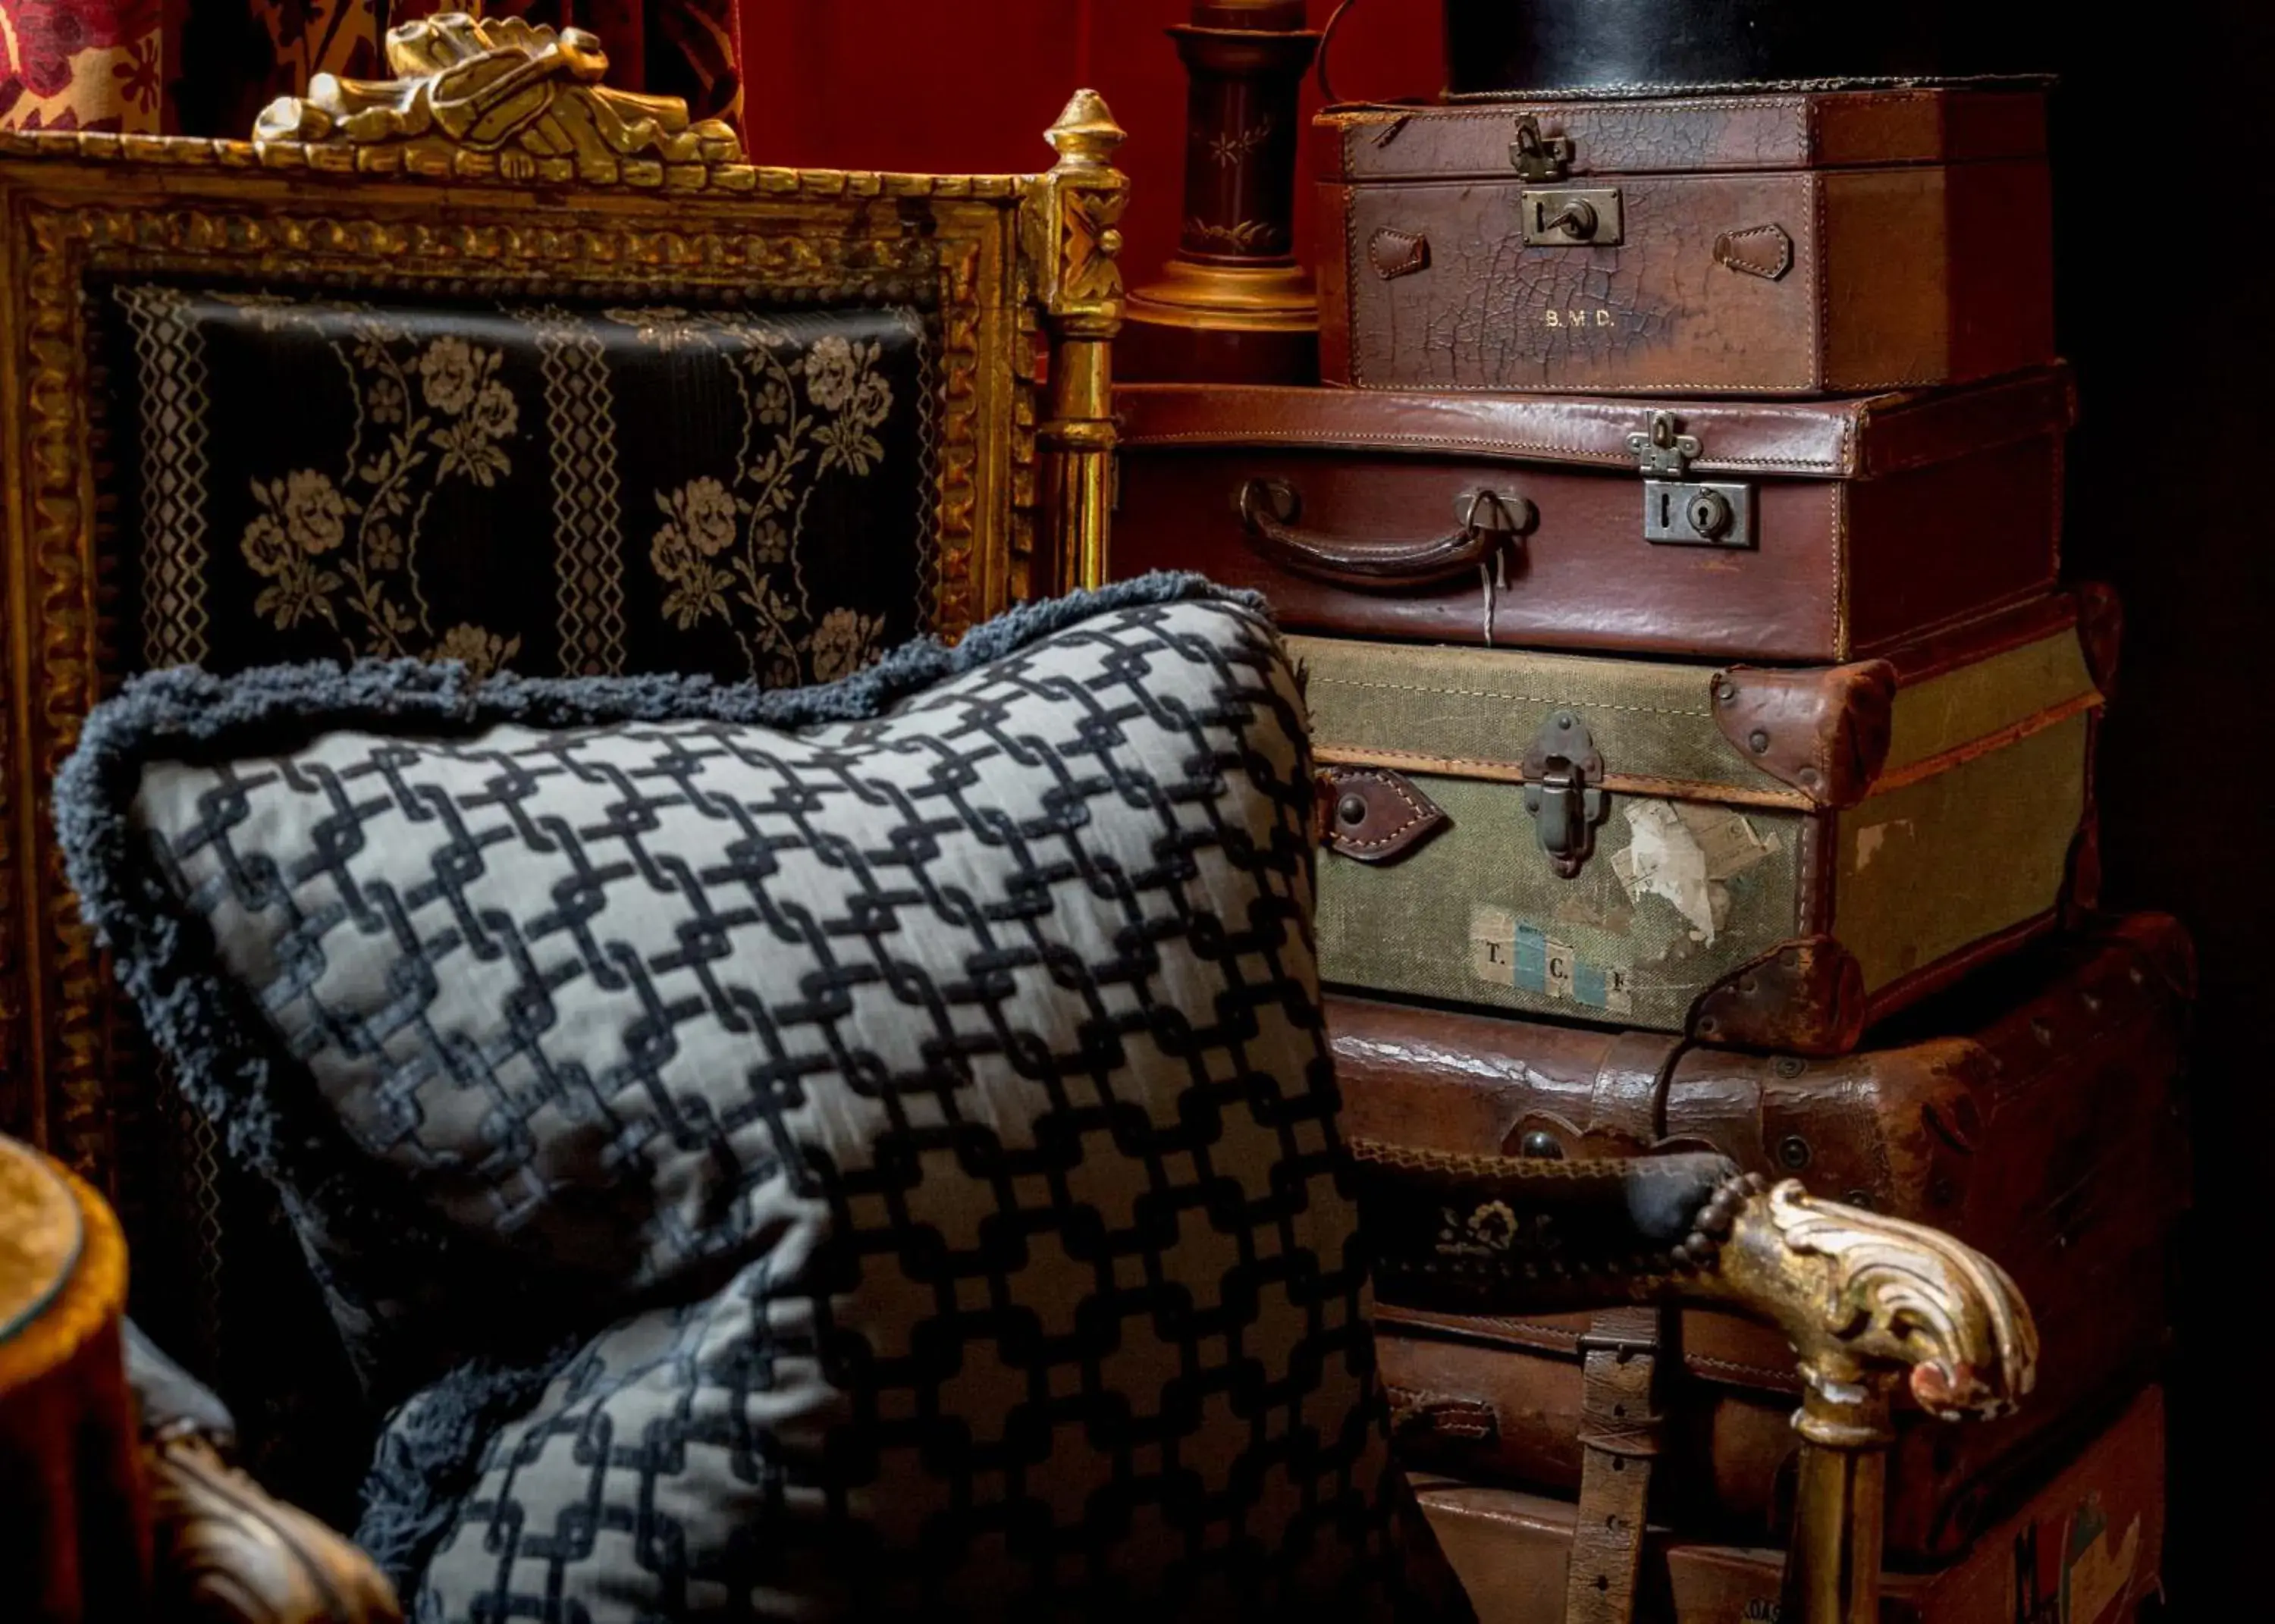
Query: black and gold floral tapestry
[556, 489]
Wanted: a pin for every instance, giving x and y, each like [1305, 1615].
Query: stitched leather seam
[1816, 267]
[1486, 693]
[1354, 352]
[1231, 438]
[1836, 501]
[1412, 805]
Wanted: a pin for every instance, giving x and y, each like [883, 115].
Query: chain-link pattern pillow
[860, 1150]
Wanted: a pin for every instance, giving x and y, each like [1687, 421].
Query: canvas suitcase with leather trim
[1792, 531]
[1818, 243]
[1757, 857]
[2085, 1547]
[2034, 1113]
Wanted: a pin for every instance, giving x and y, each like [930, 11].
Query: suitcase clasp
[1563, 778]
[1681, 511]
[1538, 156]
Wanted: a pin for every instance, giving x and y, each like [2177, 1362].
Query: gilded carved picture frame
[497, 163]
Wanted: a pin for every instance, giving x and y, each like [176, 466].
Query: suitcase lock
[1563, 790]
[1681, 511]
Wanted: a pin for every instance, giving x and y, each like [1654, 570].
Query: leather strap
[1619, 1431]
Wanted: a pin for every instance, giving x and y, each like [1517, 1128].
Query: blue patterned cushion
[852, 1152]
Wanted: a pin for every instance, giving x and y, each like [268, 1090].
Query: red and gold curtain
[205, 67]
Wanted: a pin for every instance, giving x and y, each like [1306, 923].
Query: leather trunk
[1855, 525]
[1820, 243]
[2086, 1547]
[2035, 1113]
[1756, 857]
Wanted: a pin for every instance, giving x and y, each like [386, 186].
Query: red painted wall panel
[968, 86]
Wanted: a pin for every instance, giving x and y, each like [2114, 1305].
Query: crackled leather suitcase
[1759, 857]
[1821, 530]
[1837, 242]
[2085, 1547]
[2034, 1113]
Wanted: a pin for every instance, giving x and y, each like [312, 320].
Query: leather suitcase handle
[1269, 509]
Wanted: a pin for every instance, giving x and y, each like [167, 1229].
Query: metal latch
[1565, 219]
[1538, 156]
[1563, 790]
[1681, 511]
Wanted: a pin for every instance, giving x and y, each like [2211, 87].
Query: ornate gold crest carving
[528, 94]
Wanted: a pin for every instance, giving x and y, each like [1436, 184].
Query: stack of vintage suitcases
[1707, 750]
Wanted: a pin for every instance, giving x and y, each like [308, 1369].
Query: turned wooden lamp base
[1206, 323]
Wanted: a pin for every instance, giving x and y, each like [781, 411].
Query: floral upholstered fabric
[553, 489]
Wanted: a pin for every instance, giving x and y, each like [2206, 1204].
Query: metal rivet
[1793, 1153]
[1790, 958]
[1726, 690]
[1759, 740]
[1566, 719]
[1748, 986]
[1859, 1198]
[1708, 1026]
[2043, 1032]
[1351, 809]
[1789, 1068]
[1541, 1146]
[1808, 776]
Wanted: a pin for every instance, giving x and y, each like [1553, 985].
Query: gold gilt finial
[502, 94]
[1085, 136]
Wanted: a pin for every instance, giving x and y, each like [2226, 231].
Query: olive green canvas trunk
[1771, 857]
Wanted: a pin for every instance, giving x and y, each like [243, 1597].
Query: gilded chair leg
[1833, 1566]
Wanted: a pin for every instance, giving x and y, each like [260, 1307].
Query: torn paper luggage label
[1508, 953]
[1686, 855]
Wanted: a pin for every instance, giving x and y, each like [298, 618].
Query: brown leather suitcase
[1837, 242]
[1820, 531]
[2033, 1114]
[2085, 1546]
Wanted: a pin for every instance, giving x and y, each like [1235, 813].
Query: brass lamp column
[1234, 305]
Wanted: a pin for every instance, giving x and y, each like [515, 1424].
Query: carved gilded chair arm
[227, 1553]
[1867, 1302]
[1858, 1295]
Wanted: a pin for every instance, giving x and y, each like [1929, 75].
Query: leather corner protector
[1396, 254]
[1824, 732]
[1374, 815]
[2101, 633]
[1806, 997]
[1764, 251]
